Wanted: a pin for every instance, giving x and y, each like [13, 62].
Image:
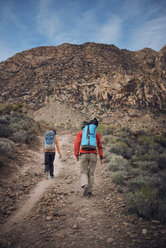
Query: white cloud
[5, 52]
[48, 22]
[151, 34]
[109, 32]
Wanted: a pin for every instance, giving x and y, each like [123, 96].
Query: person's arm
[77, 144]
[99, 145]
[58, 147]
[43, 146]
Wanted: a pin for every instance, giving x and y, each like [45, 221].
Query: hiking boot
[51, 176]
[85, 193]
[90, 194]
[46, 174]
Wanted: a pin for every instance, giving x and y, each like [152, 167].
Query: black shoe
[90, 194]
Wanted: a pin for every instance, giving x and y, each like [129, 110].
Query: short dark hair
[95, 121]
[54, 131]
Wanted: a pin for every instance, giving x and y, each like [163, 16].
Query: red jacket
[77, 144]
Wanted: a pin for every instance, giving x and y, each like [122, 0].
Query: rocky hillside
[93, 79]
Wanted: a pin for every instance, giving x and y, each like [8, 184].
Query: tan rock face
[91, 78]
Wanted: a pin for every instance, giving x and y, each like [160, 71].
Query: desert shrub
[106, 129]
[106, 153]
[144, 181]
[117, 161]
[7, 147]
[5, 130]
[162, 211]
[150, 166]
[119, 177]
[127, 140]
[138, 133]
[23, 136]
[109, 139]
[132, 171]
[161, 139]
[107, 159]
[115, 167]
[139, 157]
[143, 202]
[20, 136]
[4, 119]
[144, 155]
[121, 148]
[127, 131]
[145, 140]
[162, 161]
[7, 108]
[152, 155]
[17, 107]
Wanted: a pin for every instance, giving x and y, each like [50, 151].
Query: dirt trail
[53, 213]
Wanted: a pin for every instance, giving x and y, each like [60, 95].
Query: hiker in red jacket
[88, 158]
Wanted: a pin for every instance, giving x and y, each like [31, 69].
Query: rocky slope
[91, 79]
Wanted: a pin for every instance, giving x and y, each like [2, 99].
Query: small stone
[109, 240]
[74, 226]
[49, 218]
[144, 231]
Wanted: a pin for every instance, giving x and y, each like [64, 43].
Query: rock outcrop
[91, 78]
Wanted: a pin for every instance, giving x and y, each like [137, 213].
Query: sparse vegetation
[143, 174]
[6, 109]
[15, 127]
[105, 129]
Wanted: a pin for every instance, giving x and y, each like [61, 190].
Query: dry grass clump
[15, 127]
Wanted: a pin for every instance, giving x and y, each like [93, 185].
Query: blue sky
[128, 24]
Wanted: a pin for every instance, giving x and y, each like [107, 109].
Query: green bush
[5, 130]
[143, 202]
[17, 107]
[143, 155]
[115, 167]
[117, 162]
[144, 181]
[23, 137]
[119, 177]
[149, 166]
[161, 139]
[162, 211]
[4, 119]
[8, 108]
[107, 159]
[121, 148]
[106, 129]
[162, 161]
[109, 139]
[7, 147]
[132, 171]
[145, 140]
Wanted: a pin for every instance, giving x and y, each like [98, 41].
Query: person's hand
[101, 161]
[77, 158]
[60, 156]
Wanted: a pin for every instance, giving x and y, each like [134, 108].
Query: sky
[127, 24]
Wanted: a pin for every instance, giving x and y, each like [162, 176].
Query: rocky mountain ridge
[91, 79]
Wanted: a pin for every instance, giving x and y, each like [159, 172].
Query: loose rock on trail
[36, 212]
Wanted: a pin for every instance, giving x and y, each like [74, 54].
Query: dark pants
[49, 160]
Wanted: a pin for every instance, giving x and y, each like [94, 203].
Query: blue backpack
[49, 141]
[89, 142]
